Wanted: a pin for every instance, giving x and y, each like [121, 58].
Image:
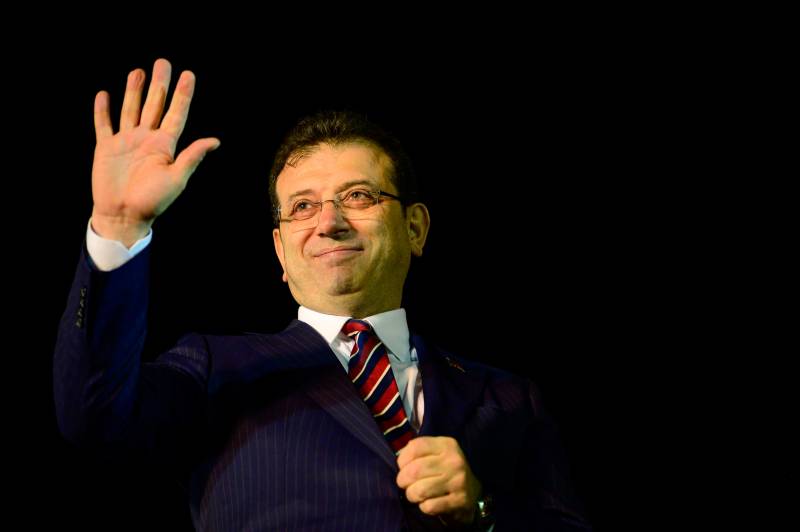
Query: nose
[330, 219]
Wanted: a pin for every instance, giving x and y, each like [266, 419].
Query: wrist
[119, 228]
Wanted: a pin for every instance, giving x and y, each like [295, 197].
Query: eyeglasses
[350, 202]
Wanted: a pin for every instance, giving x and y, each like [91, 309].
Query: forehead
[328, 166]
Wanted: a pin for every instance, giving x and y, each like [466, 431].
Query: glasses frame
[338, 204]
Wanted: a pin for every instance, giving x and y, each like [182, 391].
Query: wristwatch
[484, 513]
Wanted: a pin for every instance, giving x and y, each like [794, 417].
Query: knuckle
[455, 463]
[412, 445]
[428, 507]
[456, 483]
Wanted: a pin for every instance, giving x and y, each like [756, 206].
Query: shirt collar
[390, 326]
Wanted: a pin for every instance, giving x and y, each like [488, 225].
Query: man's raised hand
[135, 174]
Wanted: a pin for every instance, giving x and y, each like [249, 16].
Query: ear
[276, 239]
[418, 222]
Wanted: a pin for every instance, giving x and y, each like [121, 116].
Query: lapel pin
[455, 364]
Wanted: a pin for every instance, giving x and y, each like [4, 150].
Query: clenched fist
[436, 475]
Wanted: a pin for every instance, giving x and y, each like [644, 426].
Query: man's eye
[358, 195]
[301, 206]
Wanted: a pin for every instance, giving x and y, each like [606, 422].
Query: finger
[189, 159]
[175, 119]
[437, 505]
[427, 488]
[102, 119]
[156, 94]
[427, 466]
[416, 448]
[131, 104]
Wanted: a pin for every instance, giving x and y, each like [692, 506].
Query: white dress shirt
[391, 326]
[110, 254]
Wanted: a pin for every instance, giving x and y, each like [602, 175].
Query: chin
[342, 285]
[341, 290]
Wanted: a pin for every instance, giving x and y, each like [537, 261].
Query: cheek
[295, 250]
[393, 246]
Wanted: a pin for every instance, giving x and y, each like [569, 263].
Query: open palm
[135, 174]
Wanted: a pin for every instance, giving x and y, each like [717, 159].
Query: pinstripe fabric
[270, 432]
[312, 466]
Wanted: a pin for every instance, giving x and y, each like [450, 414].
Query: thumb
[189, 159]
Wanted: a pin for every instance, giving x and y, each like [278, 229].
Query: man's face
[346, 264]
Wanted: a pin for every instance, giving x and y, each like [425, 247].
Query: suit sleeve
[104, 396]
[543, 497]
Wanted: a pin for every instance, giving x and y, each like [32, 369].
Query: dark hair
[336, 128]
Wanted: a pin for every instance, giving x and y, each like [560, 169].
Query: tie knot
[352, 327]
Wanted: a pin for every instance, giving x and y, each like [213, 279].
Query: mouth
[342, 251]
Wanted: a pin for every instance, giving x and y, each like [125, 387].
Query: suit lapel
[451, 390]
[329, 386]
[336, 395]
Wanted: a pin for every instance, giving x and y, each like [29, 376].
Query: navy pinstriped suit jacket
[270, 434]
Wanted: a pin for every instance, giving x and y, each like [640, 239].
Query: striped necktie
[372, 375]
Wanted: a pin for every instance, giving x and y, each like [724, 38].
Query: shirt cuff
[109, 254]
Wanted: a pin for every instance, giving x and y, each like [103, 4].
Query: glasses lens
[359, 199]
[354, 206]
[304, 211]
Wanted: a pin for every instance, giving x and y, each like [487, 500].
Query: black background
[544, 256]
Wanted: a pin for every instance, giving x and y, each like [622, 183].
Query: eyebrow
[343, 186]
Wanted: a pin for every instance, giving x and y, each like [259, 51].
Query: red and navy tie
[372, 375]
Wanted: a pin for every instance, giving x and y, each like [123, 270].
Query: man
[343, 421]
